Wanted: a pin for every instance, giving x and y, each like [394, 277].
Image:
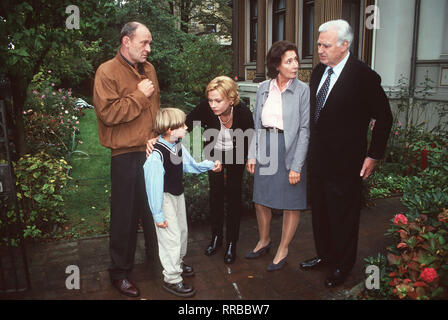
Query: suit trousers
[128, 204]
[336, 207]
[226, 184]
[173, 240]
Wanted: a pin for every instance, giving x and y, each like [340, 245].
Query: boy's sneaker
[179, 289]
[187, 271]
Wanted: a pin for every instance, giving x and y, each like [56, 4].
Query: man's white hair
[345, 32]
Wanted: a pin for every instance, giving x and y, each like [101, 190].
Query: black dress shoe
[312, 263]
[335, 278]
[187, 271]
[255, 255]
[179, 289]
[214, 244]
[230, 253]
[126, 287]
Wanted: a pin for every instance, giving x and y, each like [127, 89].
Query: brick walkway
[245, 279]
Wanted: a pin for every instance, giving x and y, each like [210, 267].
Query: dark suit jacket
[242, 119]
[338, 143]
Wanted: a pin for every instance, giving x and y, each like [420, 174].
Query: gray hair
[345, 32]
[129, 29]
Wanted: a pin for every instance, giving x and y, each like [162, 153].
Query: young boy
[163, 178]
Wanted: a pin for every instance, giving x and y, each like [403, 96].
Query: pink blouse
[272, 114]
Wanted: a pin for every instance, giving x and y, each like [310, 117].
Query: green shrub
[418, 261]
[41, 184]
[51, 122]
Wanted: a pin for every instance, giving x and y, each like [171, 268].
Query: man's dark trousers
[128, 204]
[336, 205]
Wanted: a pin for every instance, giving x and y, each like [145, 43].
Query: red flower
[419, 284]
[400, 219]
[393, 274]
[429, 275]
[402, 245]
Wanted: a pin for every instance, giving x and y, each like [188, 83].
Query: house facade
[404, 41]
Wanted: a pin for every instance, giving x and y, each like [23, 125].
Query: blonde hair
[226, 87]
[169, 118]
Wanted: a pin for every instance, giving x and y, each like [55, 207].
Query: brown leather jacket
[125, 115]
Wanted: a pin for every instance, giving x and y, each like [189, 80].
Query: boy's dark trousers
[128, 204]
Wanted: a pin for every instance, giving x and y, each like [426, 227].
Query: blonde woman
[223, 114]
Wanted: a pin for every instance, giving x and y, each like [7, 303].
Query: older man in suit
[345, 95]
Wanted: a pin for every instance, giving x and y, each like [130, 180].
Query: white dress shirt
[334, 77]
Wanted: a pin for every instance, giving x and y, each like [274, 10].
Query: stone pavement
[245, 279]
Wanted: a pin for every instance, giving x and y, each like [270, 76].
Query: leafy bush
[41, 183]
[51, 122]
[201, 60]
[418, 262]
[420, 259]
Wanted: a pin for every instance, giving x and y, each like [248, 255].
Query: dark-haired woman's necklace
[228, 120]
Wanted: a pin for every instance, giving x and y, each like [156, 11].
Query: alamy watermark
[373, 17]
[73, 281]
[373, 280]
[72, 22]
[268, 160]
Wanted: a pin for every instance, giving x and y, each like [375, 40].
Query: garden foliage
[41, 183]
[416, 165]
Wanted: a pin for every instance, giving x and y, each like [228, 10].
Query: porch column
[290, 32]
[260, 74]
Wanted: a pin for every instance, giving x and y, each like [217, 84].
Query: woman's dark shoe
[274, 267]
[214, 244]
[255, 255]
[230, 253]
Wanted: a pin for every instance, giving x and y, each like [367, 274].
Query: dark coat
[242, 119]
[338, 144]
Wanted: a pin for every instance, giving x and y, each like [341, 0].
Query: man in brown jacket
[126, 97]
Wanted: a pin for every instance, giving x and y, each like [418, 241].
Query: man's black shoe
[214, 244]
[230, 256]
[187, 271]
[126, 287]
[312, 263]
[335, 278]
[179, 289]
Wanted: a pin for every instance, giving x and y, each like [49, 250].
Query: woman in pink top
[278, 150]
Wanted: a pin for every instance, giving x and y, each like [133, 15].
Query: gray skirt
[271, 179]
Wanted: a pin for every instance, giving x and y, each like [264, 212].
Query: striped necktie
[322, 95]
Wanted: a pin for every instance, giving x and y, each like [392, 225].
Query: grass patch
[87, 199]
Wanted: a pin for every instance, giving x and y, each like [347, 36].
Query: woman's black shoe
[255, 255]
[214, 244]
[230, 253]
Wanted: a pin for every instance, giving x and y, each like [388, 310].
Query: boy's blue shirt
[155, 172]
